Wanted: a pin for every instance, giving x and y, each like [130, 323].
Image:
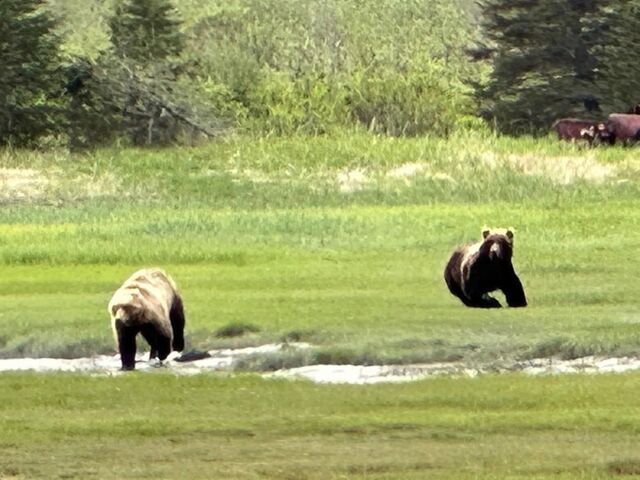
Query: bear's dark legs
[513, 291]
[127, 345]
[160, 344]
[163, 345]
[483, 301]
[469, 302]
[455, 289]
[176, 315]
[476, 296]
[149, 334]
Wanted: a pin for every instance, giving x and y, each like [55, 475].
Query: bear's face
[497, 244]
[128, 307]
[124, 313]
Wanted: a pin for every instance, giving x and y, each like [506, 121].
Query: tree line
[416, 67]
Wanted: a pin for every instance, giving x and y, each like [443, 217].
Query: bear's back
[152, 276]
[149, 289]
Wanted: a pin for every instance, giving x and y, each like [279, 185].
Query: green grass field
[341, 242]
[337, 241]
[163, 426]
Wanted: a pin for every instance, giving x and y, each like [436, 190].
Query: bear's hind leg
[455, 289]
[176, 315]
[149, 334]
[490, 302]
[163, 345]
[127, 345]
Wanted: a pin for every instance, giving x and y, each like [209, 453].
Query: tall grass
[353, 169]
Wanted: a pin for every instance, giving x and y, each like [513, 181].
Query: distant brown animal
[571, 129]
[624, 127]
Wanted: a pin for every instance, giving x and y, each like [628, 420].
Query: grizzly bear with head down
[475, 270]
[148, 302]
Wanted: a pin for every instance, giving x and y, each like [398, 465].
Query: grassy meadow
[494, 427]
[339, 241]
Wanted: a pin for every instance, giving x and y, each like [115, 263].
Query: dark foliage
[30, 77]
[615, 36]
[132, 92]
[145, 31]
[545, 62]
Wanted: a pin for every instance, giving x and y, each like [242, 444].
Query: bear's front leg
[127, 345]
[513, 291]
[485, 301]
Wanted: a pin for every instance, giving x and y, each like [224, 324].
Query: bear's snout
[495, 252]
[121, 315]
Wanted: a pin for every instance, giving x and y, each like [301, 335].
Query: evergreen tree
[543, 67]
[134, 90]
[146, 31]
[615, 36]
[140, 73]
[95, 103]
[30, 77]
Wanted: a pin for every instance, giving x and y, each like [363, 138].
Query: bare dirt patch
[408, 171]
[350, 181]
[26, 185]
[562, 170]
[18, 184]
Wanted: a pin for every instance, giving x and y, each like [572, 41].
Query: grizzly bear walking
[148, 303]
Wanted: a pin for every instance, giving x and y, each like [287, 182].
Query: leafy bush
[307, 66]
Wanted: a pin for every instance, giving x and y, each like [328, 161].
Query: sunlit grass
[261, 232]
[163, 426]
[354, 169]
[262, 237]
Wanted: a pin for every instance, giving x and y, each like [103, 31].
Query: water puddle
[358, 374]
[223, 360]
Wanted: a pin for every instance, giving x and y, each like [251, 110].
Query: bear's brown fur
[476, 269]
[148, 302]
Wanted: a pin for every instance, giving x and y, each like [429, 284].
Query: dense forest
[85, 73]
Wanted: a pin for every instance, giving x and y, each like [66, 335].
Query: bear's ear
[485, 232]
[510, 233]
